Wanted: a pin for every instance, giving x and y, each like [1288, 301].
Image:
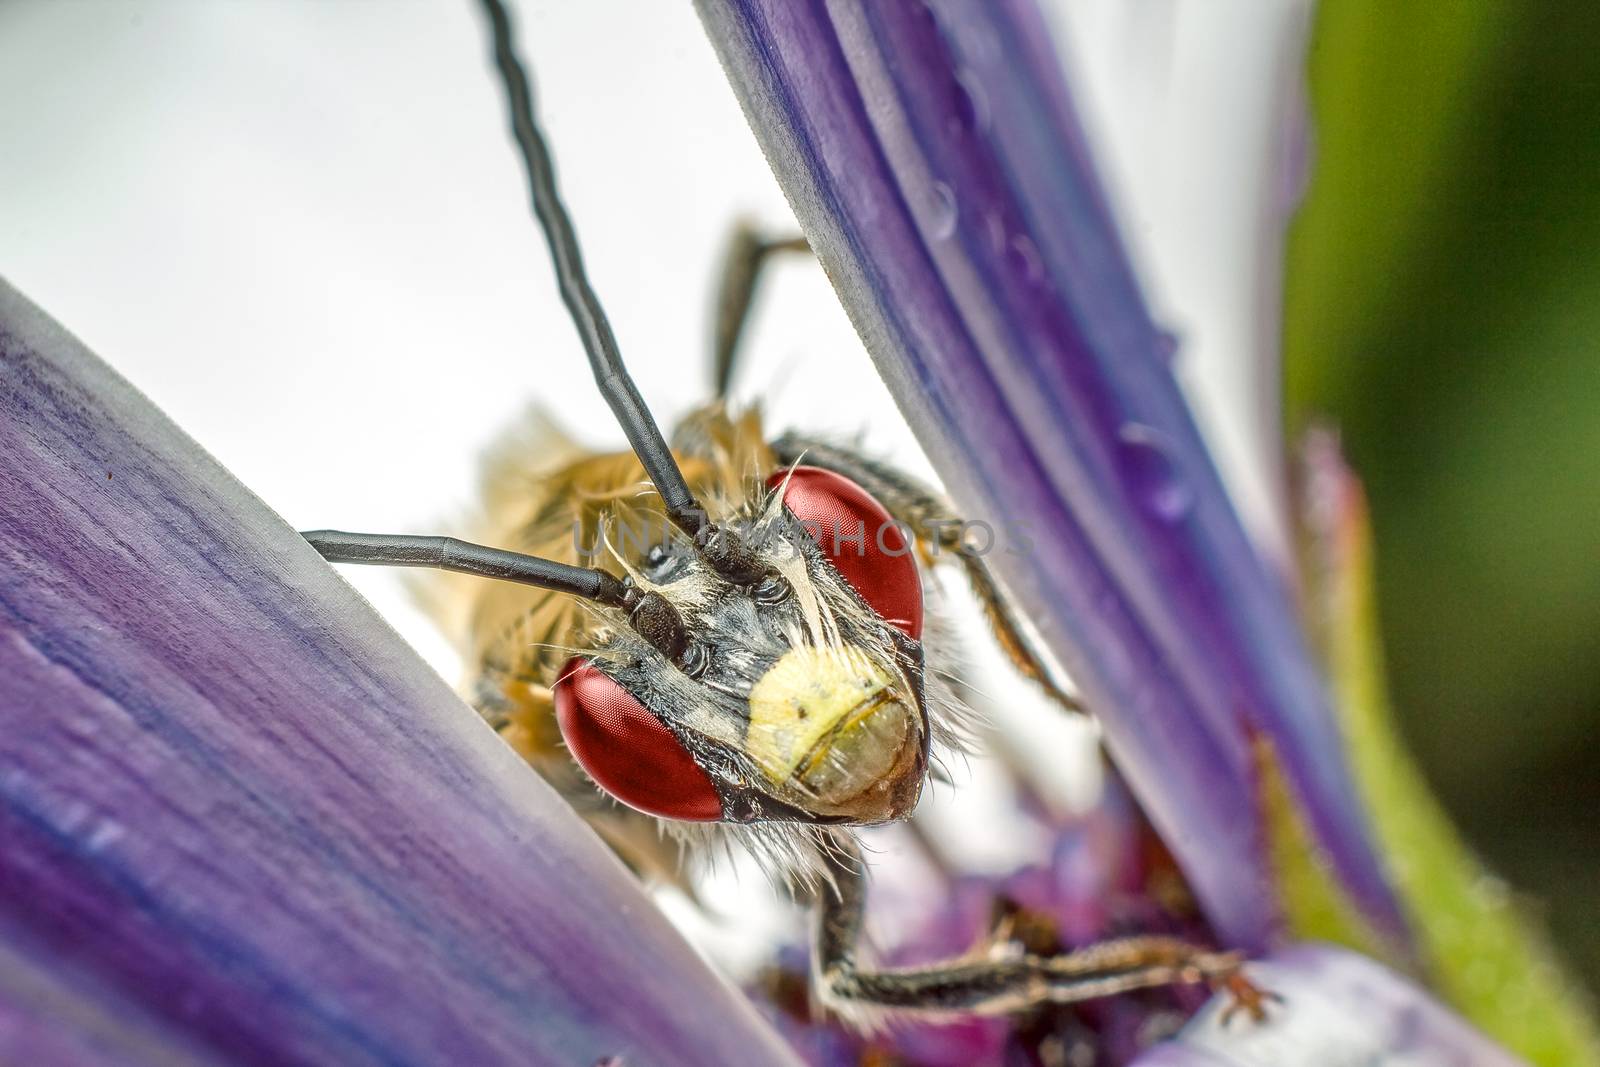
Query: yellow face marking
[810, 696]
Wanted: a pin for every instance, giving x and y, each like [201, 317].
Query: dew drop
[1167, 346]
[1157, 482]
[1023, 256]
[80, 726]
[102, 835]
[941, 212]
[969, 105]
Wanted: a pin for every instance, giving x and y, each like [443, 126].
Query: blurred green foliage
[1472, 942]
[1443, 309]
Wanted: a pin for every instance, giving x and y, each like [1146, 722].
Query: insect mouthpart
[835, 727]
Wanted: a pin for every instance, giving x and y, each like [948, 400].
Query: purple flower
[1347, 1010]
[241, 822]
[1103, 876]
[933, 155]
[934, 158]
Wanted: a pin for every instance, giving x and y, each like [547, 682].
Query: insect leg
[933, 523]
[998, 984]
[747, 252]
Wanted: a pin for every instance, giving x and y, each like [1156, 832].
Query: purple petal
[1338, 1008]
[241, 821]
[932, 154]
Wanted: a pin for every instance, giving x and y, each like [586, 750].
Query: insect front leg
[939, 530]
[999, 983]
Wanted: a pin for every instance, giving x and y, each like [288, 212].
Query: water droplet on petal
[1023, 256]
[102, 835]
[969, 105]
[1153, 470]
[941, 212]
[1167, 345]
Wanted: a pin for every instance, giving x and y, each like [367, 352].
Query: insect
[762, 672]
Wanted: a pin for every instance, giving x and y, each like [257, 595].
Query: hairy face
[795, 699]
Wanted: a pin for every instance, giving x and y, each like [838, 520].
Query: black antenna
[651, 615]
[582, 304]
[450, 554]
[729, 557]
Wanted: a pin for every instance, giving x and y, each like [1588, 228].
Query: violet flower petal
[1338, 1008]
[242, 822]
[933, 157]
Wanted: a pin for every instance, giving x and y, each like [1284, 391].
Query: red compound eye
[861, 539]
[627, 750]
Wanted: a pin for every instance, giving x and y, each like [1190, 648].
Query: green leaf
[1443, 309]
[1480, 952]
[1315, 906]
